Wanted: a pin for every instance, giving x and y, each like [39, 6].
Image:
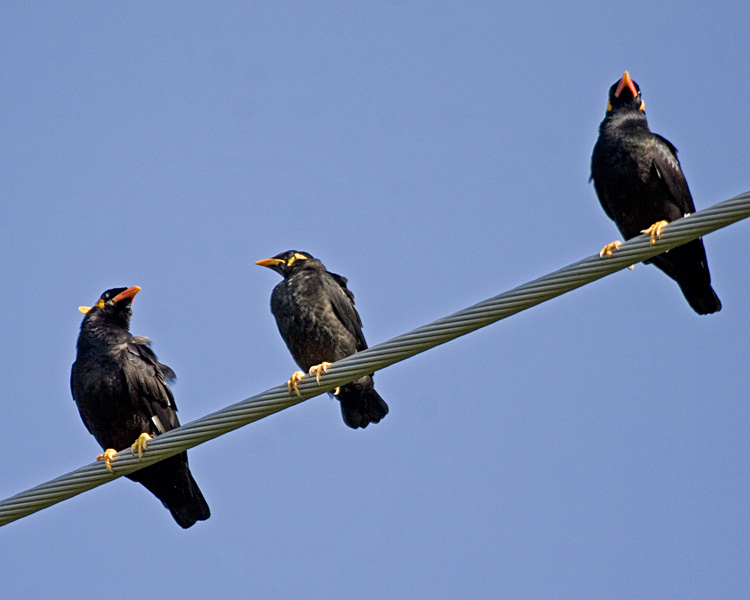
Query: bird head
[113, 305]
[625, 93]
[289, 262]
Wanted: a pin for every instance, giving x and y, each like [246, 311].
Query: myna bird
[121, 393]
[316, 317]
[641, 187]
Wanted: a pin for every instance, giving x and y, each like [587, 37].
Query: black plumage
[639, 181]
[315, 313]
[121, 393]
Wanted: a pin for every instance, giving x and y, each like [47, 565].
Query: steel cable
[379, 356]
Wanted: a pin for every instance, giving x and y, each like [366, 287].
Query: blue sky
[435, 154]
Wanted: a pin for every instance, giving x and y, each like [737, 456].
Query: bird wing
[79, 391]
[668, 169]
[342, 300]
[599, 178]
[145, 377]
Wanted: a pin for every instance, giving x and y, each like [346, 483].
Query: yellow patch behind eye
[295, 257]
[609, 106]
[643, 106]
[85, 309]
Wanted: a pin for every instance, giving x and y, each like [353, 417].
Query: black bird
[641, 187]
[121, 393]
[315, 314]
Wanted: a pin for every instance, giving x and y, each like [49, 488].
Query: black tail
[688, 266]
[701, 298]
[361, 404]
[171, 482]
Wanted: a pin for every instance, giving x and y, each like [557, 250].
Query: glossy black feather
[315, 314]
[639, 181]
[120, 389]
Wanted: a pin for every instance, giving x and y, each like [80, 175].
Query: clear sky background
[436, 154]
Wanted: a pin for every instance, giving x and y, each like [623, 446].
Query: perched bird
[119, 387]
[315, 314]
[641, 187]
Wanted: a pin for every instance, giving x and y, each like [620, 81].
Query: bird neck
[96, 331]
[620, 120]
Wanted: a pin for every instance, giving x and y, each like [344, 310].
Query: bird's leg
[293, 383]
[610, 248]
[139, 445]
[655, 230]
[319, 370]
[108, 456]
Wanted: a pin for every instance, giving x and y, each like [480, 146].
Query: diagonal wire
[379, 356]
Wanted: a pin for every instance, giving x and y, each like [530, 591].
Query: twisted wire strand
[377, 357]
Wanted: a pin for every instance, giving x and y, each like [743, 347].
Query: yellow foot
[139, 445]
[318, 370]
[293, 384]
[108, 456]
[610, 248]
[655, 230]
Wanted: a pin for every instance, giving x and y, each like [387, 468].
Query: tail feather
[172, 482]
[701, 298]
[361, 404]
[688, 266]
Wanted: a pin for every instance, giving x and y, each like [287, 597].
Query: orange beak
[626, 82]
[269, 262]
[128, 293]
